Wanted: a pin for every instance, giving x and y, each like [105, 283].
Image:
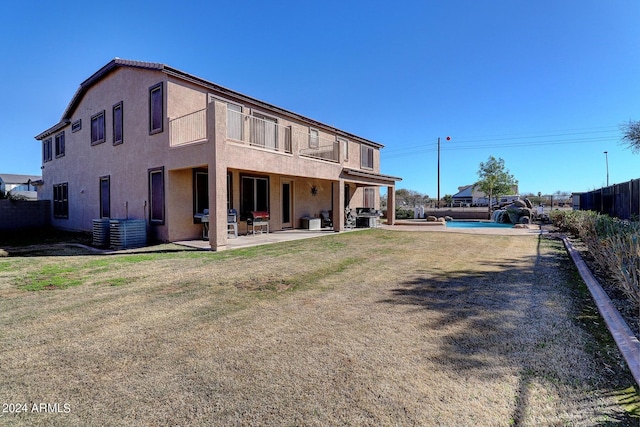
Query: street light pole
[438, 201]
[606, 157]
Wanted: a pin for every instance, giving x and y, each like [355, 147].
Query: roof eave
[377, 178]
[63, 123]
[118, 62]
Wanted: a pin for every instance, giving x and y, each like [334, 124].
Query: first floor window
[97, 128]
[229, 190]
[60, 144]
[200, 191]
[61, 200]
[46, 150]
[105, 197]
[370, 197]
[254, 195]
[156, 196]
[347, 195]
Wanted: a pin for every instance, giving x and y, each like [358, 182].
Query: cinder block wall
[21, 214]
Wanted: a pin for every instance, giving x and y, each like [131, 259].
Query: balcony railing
[323, 152]
[189, 128]
[319, 147]
[263, 132]
[257, 131]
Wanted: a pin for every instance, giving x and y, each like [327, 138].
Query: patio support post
[338, 205]
[217, 130]
[391, 205]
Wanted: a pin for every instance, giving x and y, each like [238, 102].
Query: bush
[403, 214]
[614, 244]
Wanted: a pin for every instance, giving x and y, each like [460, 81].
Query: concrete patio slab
[260, 239]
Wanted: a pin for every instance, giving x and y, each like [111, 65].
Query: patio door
[287, 204]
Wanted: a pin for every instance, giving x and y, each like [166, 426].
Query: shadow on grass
[505, 317]
[42, 236]
[52, 242]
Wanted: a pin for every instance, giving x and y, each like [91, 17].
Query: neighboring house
[464, 196]
[19, 185]
[146, 141]
[472, 196]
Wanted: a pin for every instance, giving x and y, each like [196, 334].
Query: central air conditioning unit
[127, 233]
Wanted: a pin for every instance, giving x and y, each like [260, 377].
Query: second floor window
[344, 146]
[156, 110]
[46, 150]
[314, 138]
[60, 144]
[366, 157]
[264, 131]
[97, 128]
[117, 124]
[234, 121]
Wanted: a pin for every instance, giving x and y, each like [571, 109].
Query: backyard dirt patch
[366, 328]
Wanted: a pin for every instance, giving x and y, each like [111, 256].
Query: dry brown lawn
[366, 328]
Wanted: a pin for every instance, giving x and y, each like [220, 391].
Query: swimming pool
[477, 224]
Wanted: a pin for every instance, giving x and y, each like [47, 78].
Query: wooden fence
[618, 200]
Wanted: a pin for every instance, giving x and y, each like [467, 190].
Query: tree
[495, 180]
[411, 198]
[631, 135]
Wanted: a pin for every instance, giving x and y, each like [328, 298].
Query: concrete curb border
[625, 339]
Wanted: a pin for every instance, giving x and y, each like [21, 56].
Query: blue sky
[542, 84]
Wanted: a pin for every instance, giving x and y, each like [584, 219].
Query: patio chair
[326, 219]
[349, 219]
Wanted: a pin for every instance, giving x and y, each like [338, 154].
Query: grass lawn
[365, 328]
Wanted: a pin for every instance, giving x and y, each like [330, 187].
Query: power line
[509, 142]
[510, 137]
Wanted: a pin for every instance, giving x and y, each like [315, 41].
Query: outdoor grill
[204, 220]
[367, 217]
[257, 216]
[258, 219]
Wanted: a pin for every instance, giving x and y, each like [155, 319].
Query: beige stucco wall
[128, 164]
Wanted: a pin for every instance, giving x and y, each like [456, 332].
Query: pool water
[477, 224]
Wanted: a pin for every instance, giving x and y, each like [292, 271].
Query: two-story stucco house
[146, 141]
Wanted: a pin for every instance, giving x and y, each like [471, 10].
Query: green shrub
[614, 244]
[403, 213]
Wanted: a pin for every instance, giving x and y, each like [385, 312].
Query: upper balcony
[257, 130]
